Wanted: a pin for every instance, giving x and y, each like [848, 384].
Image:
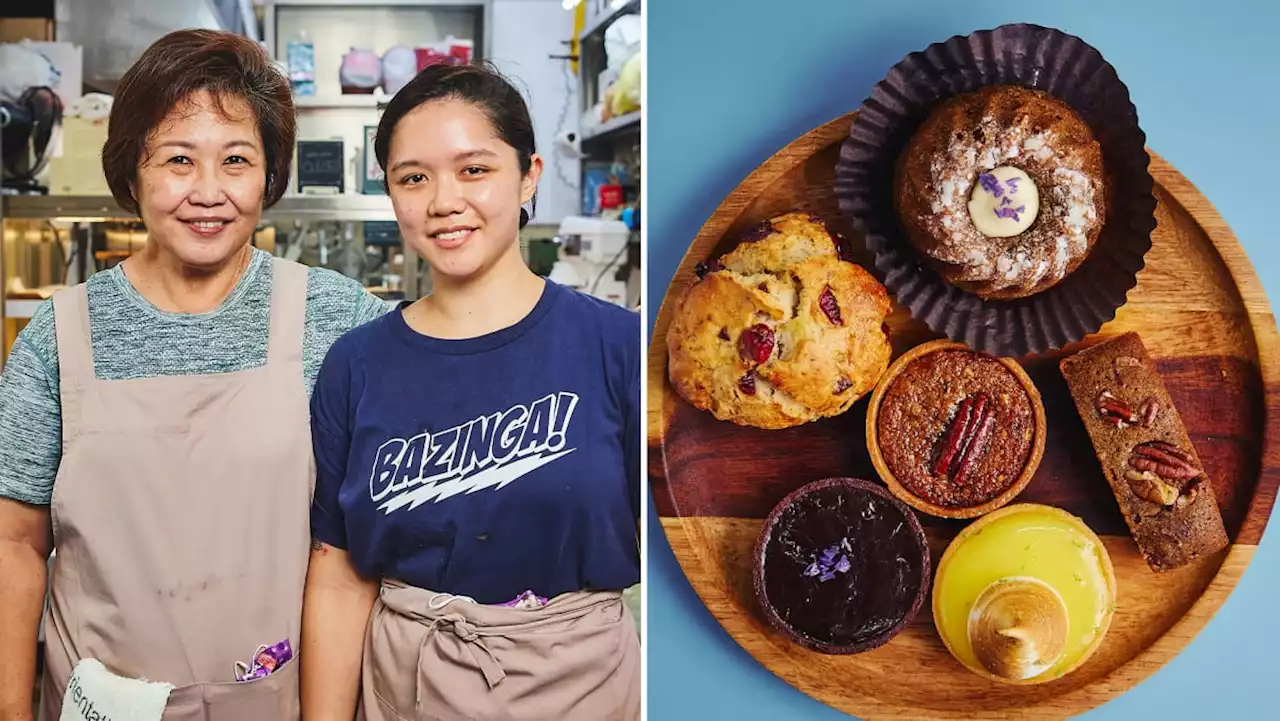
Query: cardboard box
[78, 170]
[14, 30]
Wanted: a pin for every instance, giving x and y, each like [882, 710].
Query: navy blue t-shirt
[488, 466]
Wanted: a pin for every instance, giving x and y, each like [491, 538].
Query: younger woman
[477, 453]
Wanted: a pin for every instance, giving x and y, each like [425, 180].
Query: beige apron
[435, 657]
[180, 518]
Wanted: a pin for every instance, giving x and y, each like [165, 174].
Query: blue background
[729, 83]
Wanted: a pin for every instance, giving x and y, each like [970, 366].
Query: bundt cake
[1002, 191]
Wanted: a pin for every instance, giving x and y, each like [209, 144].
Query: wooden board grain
[1201, 312]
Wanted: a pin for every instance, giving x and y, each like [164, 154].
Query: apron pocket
[392, 660]
[270, 698]
[93, 692]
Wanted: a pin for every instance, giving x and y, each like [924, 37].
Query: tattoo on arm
[317, 545]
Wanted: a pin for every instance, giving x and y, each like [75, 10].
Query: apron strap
[71, 327]
[288, 312]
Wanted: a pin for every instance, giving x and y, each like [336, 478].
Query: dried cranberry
[763, 287]
[827, 302]
[756, 343]
[747, 384]
[703, 268]
[757, 232]
[843, 384]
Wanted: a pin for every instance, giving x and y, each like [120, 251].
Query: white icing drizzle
[1067, 209]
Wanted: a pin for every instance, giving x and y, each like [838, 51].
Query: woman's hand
[335, 612]
[25, 540]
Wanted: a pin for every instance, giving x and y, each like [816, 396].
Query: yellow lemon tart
[1024, 595]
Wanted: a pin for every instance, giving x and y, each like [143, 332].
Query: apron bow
[481, 657]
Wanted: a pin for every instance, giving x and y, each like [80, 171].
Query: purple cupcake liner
[1035, 57]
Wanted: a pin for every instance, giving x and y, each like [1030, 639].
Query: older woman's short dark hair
[184, 62]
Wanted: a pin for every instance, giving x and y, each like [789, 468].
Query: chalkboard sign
[381, 232]
[321, 164]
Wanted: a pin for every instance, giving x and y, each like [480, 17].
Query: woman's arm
[24, 557]
[30, 452]
[337, 600]
[335, 613]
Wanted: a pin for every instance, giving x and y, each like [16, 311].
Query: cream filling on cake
[1066, 208]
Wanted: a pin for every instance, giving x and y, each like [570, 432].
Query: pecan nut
[1188, 496]
[977, 448]
[1166, 460]
[1149, 487]
[1149, 410]
[1114, 410]
[966, 438]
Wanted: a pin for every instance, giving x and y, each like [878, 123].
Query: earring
[524, 217]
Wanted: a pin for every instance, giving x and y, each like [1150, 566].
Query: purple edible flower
[1013, 184]
[990, 184]
[1006, 200]
[830, 562]
[1010, 212]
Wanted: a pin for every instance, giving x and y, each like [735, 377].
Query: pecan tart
[954, 432]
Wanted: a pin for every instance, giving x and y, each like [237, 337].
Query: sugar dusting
[1067, 211]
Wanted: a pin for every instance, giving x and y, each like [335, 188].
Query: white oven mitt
[96, 694]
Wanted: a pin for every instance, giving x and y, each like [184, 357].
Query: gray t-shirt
[133, 339]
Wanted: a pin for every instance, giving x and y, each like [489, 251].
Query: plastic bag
[24, 68]
[624, 96]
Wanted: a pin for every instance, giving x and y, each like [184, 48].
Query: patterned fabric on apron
[436, 657]
[180, 517]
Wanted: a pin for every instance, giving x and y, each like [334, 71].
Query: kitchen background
[579, 62]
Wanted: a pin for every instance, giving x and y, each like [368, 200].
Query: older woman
[154, 423]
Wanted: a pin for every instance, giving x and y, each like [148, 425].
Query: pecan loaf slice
[1145, 453]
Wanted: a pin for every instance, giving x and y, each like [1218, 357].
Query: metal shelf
[347, 206]
[20, 308]
[291, 207]
[373, 100]
[614, 126]
[604, 20]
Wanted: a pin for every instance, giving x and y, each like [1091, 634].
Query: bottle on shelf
[301, 58]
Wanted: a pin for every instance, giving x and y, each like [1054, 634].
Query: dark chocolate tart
[841, 566]
[1031, 56]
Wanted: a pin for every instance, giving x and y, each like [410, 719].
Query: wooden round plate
[1203, 315]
